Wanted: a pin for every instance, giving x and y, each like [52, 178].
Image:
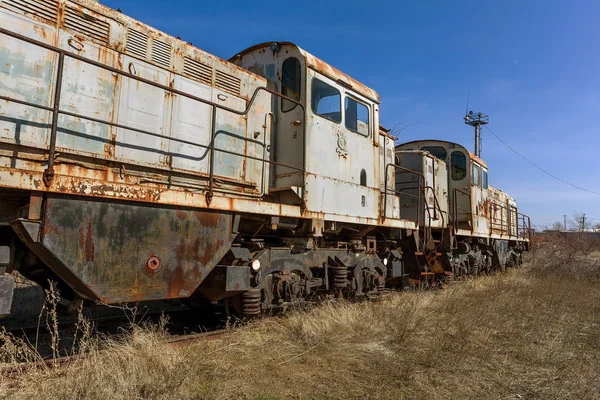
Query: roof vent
[228, 83]
[137, 43]
[45, 9]
[197, 70]
[87, 24]
[161, 53]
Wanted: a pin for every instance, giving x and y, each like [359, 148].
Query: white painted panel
[230, 136]
[192, 122]
[260, 127]
[323, 195]
[144, 107]
[26, 73]
[90, 91]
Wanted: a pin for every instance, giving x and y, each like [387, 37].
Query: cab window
[356, 116]
[484, 179]
[326, 101]
[476, 174]
[290, 83]
[459, 166]
[436, 151]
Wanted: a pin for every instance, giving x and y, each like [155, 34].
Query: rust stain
[208, 219]
[81, 238]
[182, 215]
[89, 243]
[176, 283]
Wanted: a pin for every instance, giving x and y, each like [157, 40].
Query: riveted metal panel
[26, 73]
[145, 107]
[107, 247]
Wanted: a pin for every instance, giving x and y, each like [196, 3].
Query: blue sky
[531, 65]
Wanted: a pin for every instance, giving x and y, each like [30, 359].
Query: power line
[538, 167]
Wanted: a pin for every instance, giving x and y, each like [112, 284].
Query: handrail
[55, 109]
[421, 188]
[525, 227]
[455, 207]
[420, 178]
[494, 204]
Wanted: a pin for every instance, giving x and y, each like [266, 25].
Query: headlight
[255, 265]
[385, 262]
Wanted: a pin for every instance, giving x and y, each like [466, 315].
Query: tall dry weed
[531, 333]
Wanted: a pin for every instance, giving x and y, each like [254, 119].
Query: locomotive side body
[121, 134]
[135, 167]
[427, 204]
[483, 228]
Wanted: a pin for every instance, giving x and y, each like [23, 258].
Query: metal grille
[161, 53]
[227, 82]
[137, 43]
[45, 9]
[197, 70]
[87, 24]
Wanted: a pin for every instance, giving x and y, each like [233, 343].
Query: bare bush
[576, 255]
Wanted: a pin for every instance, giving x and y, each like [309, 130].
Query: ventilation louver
[45, 9]
[137, 43]
[227, 82]
[87, 25]
[161, 53]
[197, 70]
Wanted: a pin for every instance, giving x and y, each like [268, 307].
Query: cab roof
[320, 66]
[444, 143]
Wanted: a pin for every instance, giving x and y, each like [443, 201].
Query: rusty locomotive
[136, 167]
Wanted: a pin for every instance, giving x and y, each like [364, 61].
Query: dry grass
[532, 333]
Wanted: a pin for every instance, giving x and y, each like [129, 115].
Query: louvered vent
[161, 53]
[228, 83]
[86, 24]
[137, 43]
[45, 9]
[197, 70]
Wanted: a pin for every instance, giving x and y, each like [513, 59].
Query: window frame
[484, 178]
[426, 148]
[312, 86]
[464, 169]
[283, 101]
[350, 97]
[476, 168]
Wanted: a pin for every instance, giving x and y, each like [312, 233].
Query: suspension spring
[251, 303]
[339, 275]
[381, 285]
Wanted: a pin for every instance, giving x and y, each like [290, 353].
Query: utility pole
[565, 224]
[476, 120]
[583, 223]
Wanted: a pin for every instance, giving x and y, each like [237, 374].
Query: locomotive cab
[338, 148]
[467, 182]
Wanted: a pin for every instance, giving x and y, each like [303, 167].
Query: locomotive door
[289, 141]
[479, 201]
[460, 187]
[341, 158]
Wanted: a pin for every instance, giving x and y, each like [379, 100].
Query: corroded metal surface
[134, 188]
[475, 210]
[110, 247]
